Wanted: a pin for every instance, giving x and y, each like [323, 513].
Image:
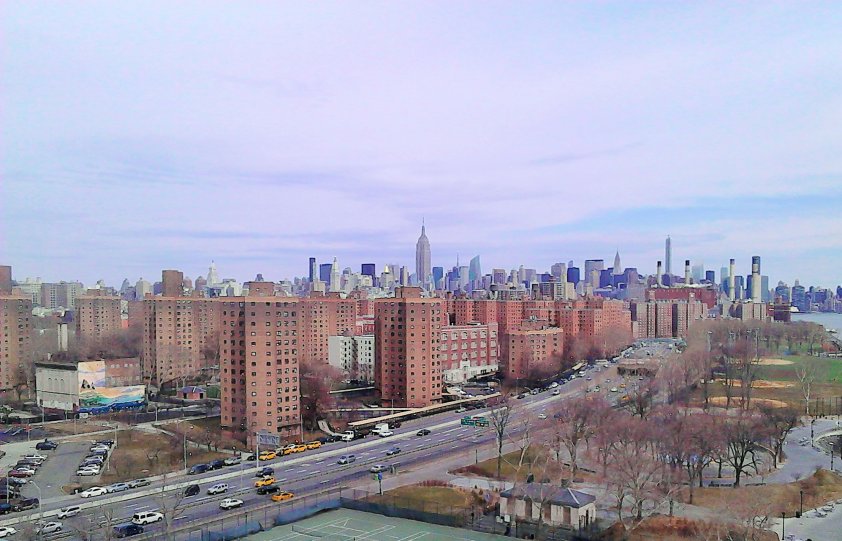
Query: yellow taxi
[314, 445]
[282, 496]
[267, 455]
[265, 482]
[300, 448]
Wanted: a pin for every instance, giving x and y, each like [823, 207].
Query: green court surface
[350, 525]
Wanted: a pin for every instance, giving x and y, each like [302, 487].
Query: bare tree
[807, 373]
[499, 418]
[171, 505]
[780, 422]
[577, 421]
[743, 434]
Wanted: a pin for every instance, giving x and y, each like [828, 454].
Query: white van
[147, 517]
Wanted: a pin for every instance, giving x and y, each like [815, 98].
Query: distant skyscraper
[313, 270]
[334, 276]
[618, 268]
[573, 274]
[368, 269]
[422, 259]
[475, 270]
[324, 272]
[668, 256]
[438, 274]
[213, 276]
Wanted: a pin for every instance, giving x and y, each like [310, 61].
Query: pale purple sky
[138, 136]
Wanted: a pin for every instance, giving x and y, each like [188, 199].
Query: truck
[382, 430]
[348, 435]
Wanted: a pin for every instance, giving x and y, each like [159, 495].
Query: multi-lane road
[303, 473]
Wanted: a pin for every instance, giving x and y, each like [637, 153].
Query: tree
[171, 505]
[743, 433]
[780, 422]
[807, 373]
[577, 421]
[316, 380]
[641, 397]
[499, 418]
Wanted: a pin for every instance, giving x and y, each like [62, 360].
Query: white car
[553, 385]
[67, 512]
[7, 531]
[218, 488]
[230, 503]
[100, 448]
[87, 472]
[117, 487]
[147, 517]
[94, 491]
[49, 527]
[232, 461]
[614, 390]
[35, 457]
[24, 469]
[556, 392]
[542, 415]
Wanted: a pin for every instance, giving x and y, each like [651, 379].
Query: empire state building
[422, 259]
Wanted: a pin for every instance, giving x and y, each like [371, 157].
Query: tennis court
[350, 525]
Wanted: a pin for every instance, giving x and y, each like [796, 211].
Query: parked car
[346, 459]
[6, 531]
[314, 444]
[117, 487]
[25, 469]
[252, 457]
[282, 496]
[40, 458]
[93, 492]
[198, 468]
[269, 489]
[87, 472]
[147, 517]
[230, 503]
[556, 392]
[26, 504]
[192, 490]
[423, 432]
[139, 483]
[106, 443]
[20, 473]
[218, 488]
[52, 526]
[127, 530]
[217, 464]
[232, 461]
[378, 468]
[46, 445]
[266, 481]
[5, 508]
[67, 512]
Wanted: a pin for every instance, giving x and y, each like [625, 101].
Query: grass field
[830, 369]
[508, 471]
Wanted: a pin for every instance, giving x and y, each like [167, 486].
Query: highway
[302, 473]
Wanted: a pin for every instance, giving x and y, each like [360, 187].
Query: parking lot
[58, 470]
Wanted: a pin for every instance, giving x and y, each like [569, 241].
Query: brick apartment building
[323, 316]
[15, 330]
[260, 353]
[407, 369]
[666, 318]
[179, 335]
[468, 351]
[98, 316]
[531, 346]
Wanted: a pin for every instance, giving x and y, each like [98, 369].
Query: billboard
[95, 397]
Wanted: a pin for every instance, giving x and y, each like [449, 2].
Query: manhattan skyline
[138, 138]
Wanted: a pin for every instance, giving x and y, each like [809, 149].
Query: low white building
[57, 385]
[354, 355]
[559, 506]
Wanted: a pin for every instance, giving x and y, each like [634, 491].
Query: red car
[16, 473]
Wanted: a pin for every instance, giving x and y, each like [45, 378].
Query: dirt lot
[82, 426]
[143, 454]
[444, 500]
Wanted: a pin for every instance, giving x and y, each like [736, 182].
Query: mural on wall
[95, 397]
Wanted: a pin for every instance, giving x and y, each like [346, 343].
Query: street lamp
[40, 513]
[783, 524]
[801, 512]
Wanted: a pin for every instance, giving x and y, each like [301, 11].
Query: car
[19, 473]
[230, 503]
[346, 459]
[556, 392]
[461, 409]
[93, 460]
[521, 396]
[542, 415]
[26, 504]
[614, 390]
[218, 488]
[100, 452]
[87, 472]
[139, 483]
[393, 451]
[25, 469]
[266, 481]
[314, 444]
[270, 489]
[300, 448]
[93, 492]
[191, 490]
[127, 530]
[99, 449]
[423, 432]
[534, 391]
[252, 457]
[35, 457]
[597, 388]
[147, 517]
[48, 527]
[17, 481]
[117, 487]
[216, 464]
[46, 445]
[106, 443]
[5, 508]
[198, 468]
[282, 496]
[378, 468]
[268, 455]
[67, 512]
[6, 531]
[553, 385]
[265, 472]
[232, 461]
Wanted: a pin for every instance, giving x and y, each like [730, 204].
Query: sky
[138, 136]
